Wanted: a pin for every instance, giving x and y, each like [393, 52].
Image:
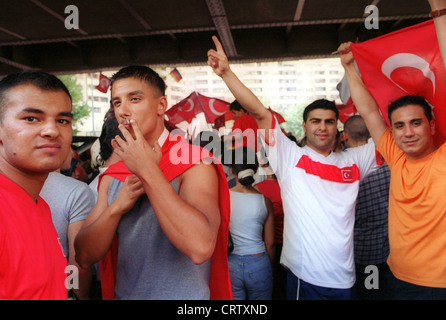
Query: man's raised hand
[217, 58]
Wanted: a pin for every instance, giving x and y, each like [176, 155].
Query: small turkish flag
[405, 62]
[346, 111]
[185, 110]
[104, 83]
[214, 108]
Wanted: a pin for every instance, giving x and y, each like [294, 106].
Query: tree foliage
[80, 109]
[293, 116]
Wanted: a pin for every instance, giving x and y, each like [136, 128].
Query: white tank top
[248, 215]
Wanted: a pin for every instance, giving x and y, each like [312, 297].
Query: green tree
[293, 117]
[80, 110]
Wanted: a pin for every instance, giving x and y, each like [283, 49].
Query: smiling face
[412, 131]
[320, 130]
[35, 129]
[133, 98]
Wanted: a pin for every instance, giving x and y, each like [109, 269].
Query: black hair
[39, 79]
[144, 73]
[241, 160]
[356, 128]
[320, 104]
[410, 100]
[109, 131]
[235, 105]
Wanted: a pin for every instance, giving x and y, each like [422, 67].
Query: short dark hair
[356, 128]
[144, 73]
[109, 131]
[39, 79]
[320, 104]
[235, 105]
[410, 100]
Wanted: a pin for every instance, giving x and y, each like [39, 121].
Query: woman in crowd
[251, 230]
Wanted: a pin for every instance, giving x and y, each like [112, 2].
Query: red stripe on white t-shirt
[329, 172]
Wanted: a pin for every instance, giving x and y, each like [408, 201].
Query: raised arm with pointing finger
[218, 61]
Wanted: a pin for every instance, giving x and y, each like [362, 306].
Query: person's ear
[162, 105]
[433, 126]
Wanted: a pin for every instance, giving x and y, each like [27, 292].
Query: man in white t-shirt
[319, 190]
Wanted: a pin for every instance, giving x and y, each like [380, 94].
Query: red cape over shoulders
[185, 155]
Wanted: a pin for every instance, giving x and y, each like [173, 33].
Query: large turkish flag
[405, 62]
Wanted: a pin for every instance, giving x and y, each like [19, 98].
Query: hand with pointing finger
[136, 151]
[217, 59]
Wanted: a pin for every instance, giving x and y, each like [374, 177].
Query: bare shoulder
[202, 174]
[105, 183]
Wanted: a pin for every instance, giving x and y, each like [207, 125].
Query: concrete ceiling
[115, 33]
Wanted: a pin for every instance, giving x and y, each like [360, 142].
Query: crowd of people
[243, 217]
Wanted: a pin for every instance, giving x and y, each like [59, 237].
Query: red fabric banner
[104, 83]
[405, 62]
[196, 103]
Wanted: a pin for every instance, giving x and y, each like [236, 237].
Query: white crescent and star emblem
[104, 82]
[192, 104]
[407, 60]
[211, 106]
[347, 175]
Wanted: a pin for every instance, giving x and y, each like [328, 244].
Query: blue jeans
[251, 277]
[401, 290]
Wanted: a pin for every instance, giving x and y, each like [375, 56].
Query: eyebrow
[410, 121]
[132, 93]
[320, 119]
[39, 111]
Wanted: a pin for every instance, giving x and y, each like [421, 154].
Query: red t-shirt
[246, 125]
[32, 262]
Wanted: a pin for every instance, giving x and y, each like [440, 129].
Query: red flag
[279, 117]
[220, 122]
[185, 110]
[405, 62]
[346, 111]
[104, 83]
[214, 108]
[196, 103]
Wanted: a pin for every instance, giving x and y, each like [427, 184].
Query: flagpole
[202, 108]
[92, 101]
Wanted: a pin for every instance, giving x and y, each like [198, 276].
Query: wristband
[437, 13]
